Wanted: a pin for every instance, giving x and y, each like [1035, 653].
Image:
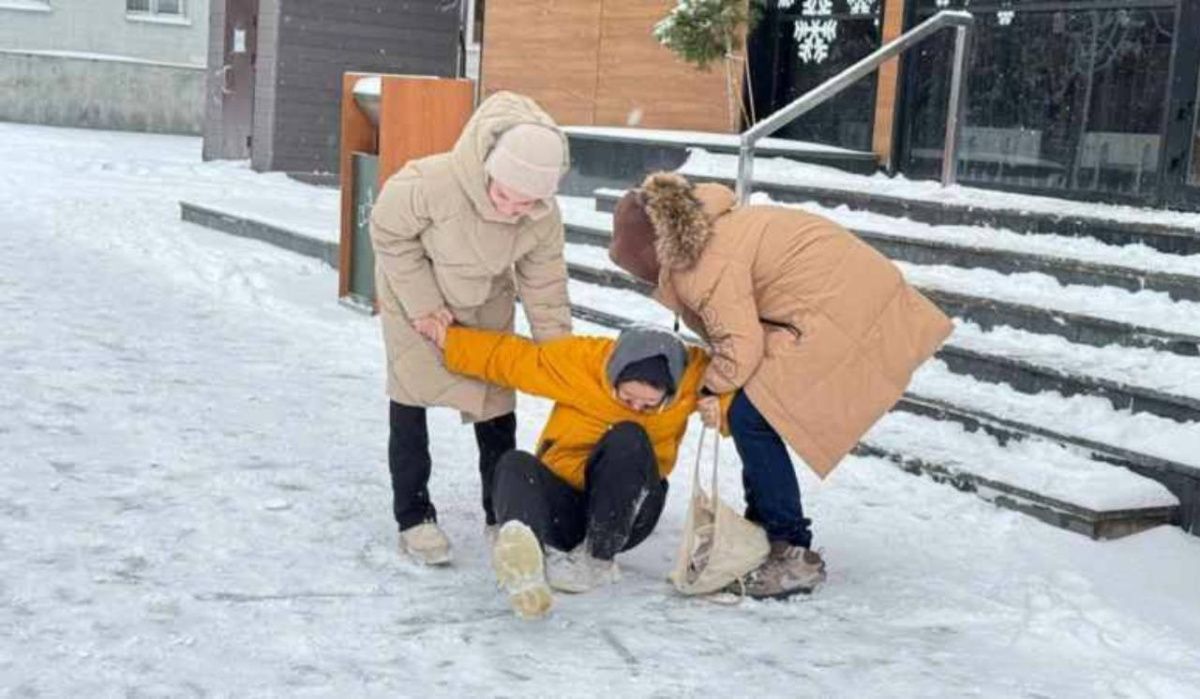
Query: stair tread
[1087, 417]
[1147, 312]
[1133, 260]
[784, 172]
[1143, 308]
[1143, 368]
[715, 141]
[1034, 465]
[1136, 257]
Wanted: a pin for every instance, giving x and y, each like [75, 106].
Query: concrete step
[1176, 239]
[610, 157]
[245, 226]
[1066, 270]
[1182, 480]
[1023, 375]
[1076, 327]
[1095, 499]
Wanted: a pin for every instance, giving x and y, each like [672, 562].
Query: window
[1194, 176]
[1060, 96]
[474, 22]
[167, 9]
[26, 5]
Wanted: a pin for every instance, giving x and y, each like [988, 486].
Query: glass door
[1181, 162]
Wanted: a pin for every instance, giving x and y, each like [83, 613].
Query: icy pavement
[194, 501]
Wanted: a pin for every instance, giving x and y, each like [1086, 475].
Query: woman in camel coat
[815, 332]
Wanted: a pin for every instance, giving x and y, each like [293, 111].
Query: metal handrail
[962, 21]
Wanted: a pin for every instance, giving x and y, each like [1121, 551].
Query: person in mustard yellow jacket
[596, 483]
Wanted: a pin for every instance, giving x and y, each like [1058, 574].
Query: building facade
[120, 64]
[1092, 99]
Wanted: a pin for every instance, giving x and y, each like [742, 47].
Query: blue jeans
[772, 491]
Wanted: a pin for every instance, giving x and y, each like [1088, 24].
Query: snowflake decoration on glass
[1005, 17]
[785, 4]
[860, 7]
[943, 3]
[813, 37]
[813, 8]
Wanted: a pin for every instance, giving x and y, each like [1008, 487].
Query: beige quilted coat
[439, 243]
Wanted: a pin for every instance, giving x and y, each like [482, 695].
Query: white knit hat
[529, 159]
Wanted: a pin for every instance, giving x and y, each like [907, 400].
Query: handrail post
[954, 109]
[745, 171]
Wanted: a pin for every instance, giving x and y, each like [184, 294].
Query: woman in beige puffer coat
[458, 237]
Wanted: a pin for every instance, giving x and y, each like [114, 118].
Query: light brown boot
[788, 570]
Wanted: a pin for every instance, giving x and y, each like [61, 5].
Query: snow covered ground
[194, 501]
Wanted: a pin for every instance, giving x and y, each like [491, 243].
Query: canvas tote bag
[719, 545]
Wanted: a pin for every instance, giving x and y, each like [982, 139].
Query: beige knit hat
[529, 159]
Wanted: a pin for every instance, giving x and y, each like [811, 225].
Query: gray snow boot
[578, 570]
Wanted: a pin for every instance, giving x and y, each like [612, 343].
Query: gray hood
[638, 343]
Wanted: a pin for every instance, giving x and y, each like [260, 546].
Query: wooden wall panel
[594, 62]
[418, 118]
[637, 74]
[887, 87]
[544, 49]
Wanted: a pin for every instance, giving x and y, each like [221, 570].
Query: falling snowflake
[860, 7]
[1005, 17]
[943, 3]
[813, 37]
[813, 8]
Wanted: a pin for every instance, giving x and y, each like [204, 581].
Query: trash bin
[387, 120]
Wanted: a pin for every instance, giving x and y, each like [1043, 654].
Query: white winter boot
[578, 571]
[426, 543]
[517, 560]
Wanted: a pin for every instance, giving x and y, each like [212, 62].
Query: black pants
[618, 508]
[410, 464]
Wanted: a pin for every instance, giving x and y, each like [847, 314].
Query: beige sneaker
[520, 570]
[426, 543]
[789, 570]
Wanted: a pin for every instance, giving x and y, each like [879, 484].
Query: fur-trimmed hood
[683, 215]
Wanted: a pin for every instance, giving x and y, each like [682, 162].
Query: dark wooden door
[237, 77]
